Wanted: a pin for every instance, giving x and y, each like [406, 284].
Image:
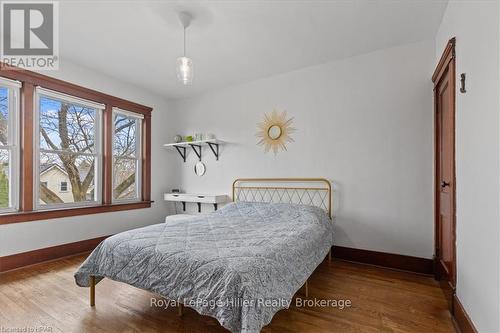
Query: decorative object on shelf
[274, 131]
[188, 138]
[177, 138]
[185, 64]
[196, 146]
[176, 190]
[199, 169]
[198, 137]
[209, 136]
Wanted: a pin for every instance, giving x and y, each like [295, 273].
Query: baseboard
[18, 260]
[388, 260]
[461, 318]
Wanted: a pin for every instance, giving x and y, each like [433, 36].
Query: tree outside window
[126, 156]
[68, 151]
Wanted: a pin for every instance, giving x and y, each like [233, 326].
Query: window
[69, 150]
[82, 153]
[126, 155]
[9, 144]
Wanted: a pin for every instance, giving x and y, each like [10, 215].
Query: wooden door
[444, 99]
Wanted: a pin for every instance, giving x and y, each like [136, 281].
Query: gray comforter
[240, 264]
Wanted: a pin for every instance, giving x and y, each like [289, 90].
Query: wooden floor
[45, 295]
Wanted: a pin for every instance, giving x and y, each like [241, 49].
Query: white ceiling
[233, 41]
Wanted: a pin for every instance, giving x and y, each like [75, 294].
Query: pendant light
[185, 64]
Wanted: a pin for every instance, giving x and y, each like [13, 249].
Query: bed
[240, 264]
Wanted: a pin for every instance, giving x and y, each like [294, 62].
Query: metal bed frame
[309, 191]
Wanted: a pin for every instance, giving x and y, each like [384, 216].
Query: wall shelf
[197, 146]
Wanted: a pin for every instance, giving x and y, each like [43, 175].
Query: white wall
[477, 30]
[21, 237]
[366, 123]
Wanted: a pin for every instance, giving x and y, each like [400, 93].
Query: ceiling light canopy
[185, 64]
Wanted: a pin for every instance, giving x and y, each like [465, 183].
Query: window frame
[61, 187]
[27, 210]
[54, 95]
[138, 158]
[13, 140]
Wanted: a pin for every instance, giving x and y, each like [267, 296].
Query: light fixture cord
[184, 41]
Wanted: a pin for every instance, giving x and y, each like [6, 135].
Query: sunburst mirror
[274, 131]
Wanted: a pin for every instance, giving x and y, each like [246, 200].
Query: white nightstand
[214, 199]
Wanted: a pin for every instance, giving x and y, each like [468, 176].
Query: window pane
[66, 178]
[4, 115]
[66, 126]
[4, 178]
[124, 175]
[124, 142]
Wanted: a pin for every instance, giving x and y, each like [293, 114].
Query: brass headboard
[312, 191]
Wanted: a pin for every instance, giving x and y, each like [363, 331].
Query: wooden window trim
[57, 213]
[26, 211]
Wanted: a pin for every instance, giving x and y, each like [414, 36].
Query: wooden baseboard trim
[461, 318]
[18, 260]
[388, 260]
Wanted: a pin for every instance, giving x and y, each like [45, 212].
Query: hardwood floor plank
[382, 301]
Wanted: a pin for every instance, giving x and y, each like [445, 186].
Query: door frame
[447, 61]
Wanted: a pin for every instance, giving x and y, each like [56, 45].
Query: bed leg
[306, 287]
[179, 309]
[92, 290]
[330, 255]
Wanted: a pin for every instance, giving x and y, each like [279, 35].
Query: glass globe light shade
[185, 70]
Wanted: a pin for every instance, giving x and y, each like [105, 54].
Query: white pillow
[177, 217]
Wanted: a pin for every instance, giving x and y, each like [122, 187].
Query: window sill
[17, 217]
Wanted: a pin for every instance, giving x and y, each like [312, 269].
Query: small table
[214, 199]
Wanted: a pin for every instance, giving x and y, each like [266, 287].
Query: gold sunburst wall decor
[274, 131]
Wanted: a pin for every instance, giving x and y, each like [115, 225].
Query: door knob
[444, 184]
